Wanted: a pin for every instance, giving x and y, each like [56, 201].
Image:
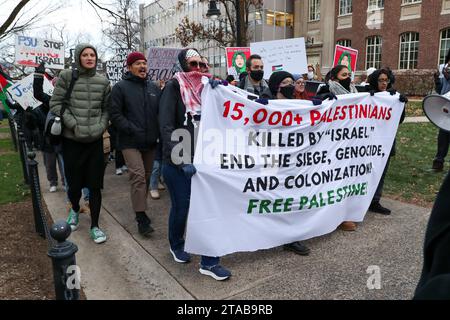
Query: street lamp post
[214, 13]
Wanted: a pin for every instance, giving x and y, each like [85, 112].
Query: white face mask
[310, 75]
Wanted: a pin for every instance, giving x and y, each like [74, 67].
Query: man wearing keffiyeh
[180, 109]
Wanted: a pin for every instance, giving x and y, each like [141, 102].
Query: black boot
[378, 208]
[298, 248]
[144, 224]
[438, 166]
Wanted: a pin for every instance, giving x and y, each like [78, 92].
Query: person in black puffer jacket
[134, 113]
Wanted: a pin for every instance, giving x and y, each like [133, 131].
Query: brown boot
[348, 226]
[85, 209]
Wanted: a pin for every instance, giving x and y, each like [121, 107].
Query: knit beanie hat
[135, 56]
[276, 78]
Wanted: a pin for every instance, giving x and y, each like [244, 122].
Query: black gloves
[263, 101]
[328, 95]
[392, 92]
[215, 83]
[316, 102]
[403, 98]
[40, 69]
[372, 92]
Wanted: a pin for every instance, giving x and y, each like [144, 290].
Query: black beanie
[276, 78]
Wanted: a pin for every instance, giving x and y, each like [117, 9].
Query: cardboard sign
[117, 67]
[161, 62]
[22, 91]
[32, 51]
[288, 55]
[346, 56]
[236, 60]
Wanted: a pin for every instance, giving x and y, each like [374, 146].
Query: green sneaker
[73, 220]
[97, 235]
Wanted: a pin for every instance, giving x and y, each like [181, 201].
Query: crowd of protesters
[137, 118]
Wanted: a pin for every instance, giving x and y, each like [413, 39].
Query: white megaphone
[437, 110]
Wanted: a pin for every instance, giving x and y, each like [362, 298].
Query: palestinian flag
[4, 84]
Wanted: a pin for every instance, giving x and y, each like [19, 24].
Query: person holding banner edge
[381, 80]
[180, 111]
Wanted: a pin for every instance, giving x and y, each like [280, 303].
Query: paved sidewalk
[416, 120]
[131, 267]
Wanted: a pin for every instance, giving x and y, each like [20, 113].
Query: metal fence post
[23, 154]
[63, 260]
[12, 128]
[36, 197]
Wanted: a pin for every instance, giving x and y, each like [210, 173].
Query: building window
[375, 4]
[345, 7]
[314, 10]
[373, 52]
[345, 42]
[279, 18]
[409, 50]
[445, 45]
[411, 1]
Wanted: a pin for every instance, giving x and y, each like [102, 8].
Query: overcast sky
[77, 15]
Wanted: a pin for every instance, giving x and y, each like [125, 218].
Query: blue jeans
[156, 174]
[179, 187]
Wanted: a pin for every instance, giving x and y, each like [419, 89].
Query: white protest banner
[117, 66]
[284, 172]
[22, 91]
[288, 55]
[161, 62]
[32, 51]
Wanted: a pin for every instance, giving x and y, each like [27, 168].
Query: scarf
[191, 87]
[337, 89]
[258, 90]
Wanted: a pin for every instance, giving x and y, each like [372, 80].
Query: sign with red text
[32, 51]
[346, 56]
[286, 171]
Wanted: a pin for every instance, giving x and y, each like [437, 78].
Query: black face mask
[346, 83]
[287, 91]
[257, 75]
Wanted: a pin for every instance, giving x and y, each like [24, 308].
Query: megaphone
[437, 110]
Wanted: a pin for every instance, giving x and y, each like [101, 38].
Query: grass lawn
[414, 109]
[12, 187]
[409, 177]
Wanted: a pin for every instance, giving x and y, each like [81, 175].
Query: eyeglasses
[196, 64]
[384, 80]
[302, 83]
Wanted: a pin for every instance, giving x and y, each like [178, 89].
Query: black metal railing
[62, 252]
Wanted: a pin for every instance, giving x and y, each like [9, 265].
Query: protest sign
[284, 172]
[117, 66]
[22, 91]
[161, 62]
[288, 55]
[236, 60]
[32, 51]
[347, 57]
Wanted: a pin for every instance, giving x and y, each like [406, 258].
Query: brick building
[401, 34]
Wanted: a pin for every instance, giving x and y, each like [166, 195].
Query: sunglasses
[196, 64]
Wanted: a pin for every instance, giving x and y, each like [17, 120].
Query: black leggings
[95, 203]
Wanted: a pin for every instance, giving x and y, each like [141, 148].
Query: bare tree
[18, 21]
[224, 33]
[123, 25]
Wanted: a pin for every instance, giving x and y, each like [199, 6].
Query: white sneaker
[124, 168]
[53, 189]
[154, 194]
[119, 172]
